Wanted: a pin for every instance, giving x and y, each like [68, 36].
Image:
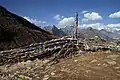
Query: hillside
[16, 31]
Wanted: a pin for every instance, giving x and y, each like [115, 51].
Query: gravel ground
[90, 66]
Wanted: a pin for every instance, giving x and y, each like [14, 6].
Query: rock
[87, 71]
[108, 61]
[52, 73]
[97, 68]
[113, 57]
[28, 61]
[93, 61]
[45, 61]
[118, 71]
[75, 60]
[98, 64]
[111, 62]
[108, 51]
[105, 65]
[28, 68]
[25, 77]
[117, 67]
[37, 77]
[46, 77]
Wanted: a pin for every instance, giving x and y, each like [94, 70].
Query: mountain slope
[88, 33]
[16, 31]
[82, 33]
[68, 30]
[91, 33]
[54, 30]
[57, 31]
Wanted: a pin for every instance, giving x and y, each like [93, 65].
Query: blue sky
[46, 10]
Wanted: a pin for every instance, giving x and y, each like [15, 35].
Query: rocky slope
[88, 33]
[54, 30]
[15, 31]
[109, 35]
[68, 30]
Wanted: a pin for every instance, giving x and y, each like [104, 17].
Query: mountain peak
[90, 28]
[2, 8]
[55, 27]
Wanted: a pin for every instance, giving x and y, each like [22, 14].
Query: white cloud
[83, 12]
[66, 22]
[35, 21]
[44, 22]
[84, 20]
[95, 26]
[113, 26]
[91, 16]
[115, 15]
[99, 26]
[58, 17]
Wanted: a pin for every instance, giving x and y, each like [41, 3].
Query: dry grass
[90, 66]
